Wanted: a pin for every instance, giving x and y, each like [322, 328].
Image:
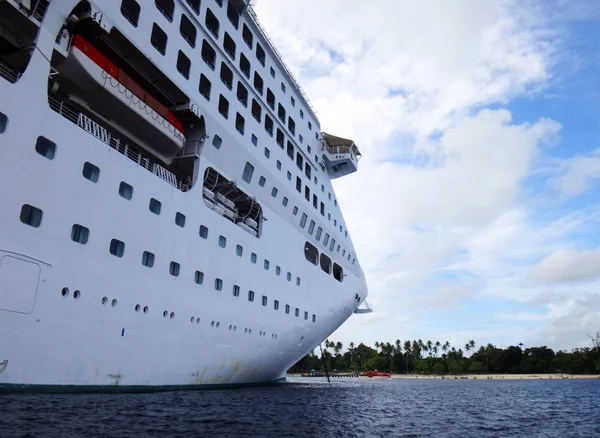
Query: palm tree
[429, 347]
[351, 351]
[446, 346]
[472, 344]
[407, 353]
[438, 344]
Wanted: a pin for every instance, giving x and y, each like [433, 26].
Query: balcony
[340, 155]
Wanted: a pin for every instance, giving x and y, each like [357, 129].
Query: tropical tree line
[436, 357]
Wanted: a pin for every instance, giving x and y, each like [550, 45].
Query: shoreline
[552, 376]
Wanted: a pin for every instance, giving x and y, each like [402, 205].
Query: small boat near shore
[375, 373]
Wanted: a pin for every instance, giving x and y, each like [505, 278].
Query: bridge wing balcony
[340, 155]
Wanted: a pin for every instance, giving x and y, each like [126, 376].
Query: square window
[203, 232]
[305, 315]
[218, 284]
[245, 65]
[277, 270]
[229, 45]
[198, 277]
[223, 106]
[253, 258]
[278, 165]
[147, 259]
[272, 71]
[174, 269]
[266, 265]
[208, 54]
[216, 142]
[130, 9]
[125, 190]
[155, 206]
[250, 295]
[180, 219]
[254, 140]
[226, 75]
[212, 24]
[289, 276]
[303, 219]
[284, 201]
[222, 241]
[247, 36]
[236, 290]
[117, 248]
[295, 211]
[239, 250]
[187, 30]
[248, 171]
[31, 215]
[233, 14]
[242, 94]
[314, 318]
[240, 123]
[166, 8]
[258, 83]
[158, 38]
[287, 308]
[79, 234]
[297, 312]
[262, 181]
[289, 175]
[301, 114]
[283, 87]
[260, 54]
[276, 305]
[204, 87]
[44, 147]
[264, 300]
[90, 172]
[274, 192]
[183, 64]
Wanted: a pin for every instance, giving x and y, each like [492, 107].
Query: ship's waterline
[171, 220]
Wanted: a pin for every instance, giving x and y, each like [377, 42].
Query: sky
[475, 211]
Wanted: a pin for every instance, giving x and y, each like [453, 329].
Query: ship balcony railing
[350, 150]
[10, 74]
[101, 133]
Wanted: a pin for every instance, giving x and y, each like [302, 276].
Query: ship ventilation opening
[224, 198]
[311, 253]
[19, 26]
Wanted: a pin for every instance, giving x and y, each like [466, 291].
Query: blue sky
[476, 209]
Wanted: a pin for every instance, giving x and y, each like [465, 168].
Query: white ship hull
[50, 338]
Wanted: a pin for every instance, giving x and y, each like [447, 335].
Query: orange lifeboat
[374, 374]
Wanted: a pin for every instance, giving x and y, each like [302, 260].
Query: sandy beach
[557, 376]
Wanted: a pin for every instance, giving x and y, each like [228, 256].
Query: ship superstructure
[167, 217]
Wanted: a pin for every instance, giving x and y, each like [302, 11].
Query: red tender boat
[374, 374]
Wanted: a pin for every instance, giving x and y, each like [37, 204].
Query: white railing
[101, 133]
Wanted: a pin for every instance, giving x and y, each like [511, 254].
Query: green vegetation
[442, 358]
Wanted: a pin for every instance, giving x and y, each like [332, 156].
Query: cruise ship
[167, 215]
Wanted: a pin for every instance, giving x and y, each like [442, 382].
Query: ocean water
[313, 408]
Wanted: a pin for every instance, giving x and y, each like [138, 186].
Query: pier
[322, 374]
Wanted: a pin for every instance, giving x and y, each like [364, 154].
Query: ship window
[329, 217]
[278, 165]
[292, 125]
[335, 223]
[245, 65]
[298, 184]
[281, 112]
[349, 255]
[289, 276]
[90, 172]
[274, 192]
[223, 106]
[195, 5]
[264, 300]
[306, 315]
[222, 241]
[332, 245]
[183, 65]
[154, 206]
[310, 126]
[117, 248]
[254, 140]
[180, 219]
[203, 232]
[130, 9]
[239, 250]
[174, 269]
[353, 260]
[303, 219]
[279, 137]
[147, 259]
[229, 45]
[322, 208]
[338, 248]
[326, 240]
[226, 75]
[277, 270]
[220, 2]
[345, 233]
[256, 110]
[166, 8]
[125, 190]
[301, 114]
[44, 147]
[216, 142]
[269, 125]
[266, 265]
[314, 318]
[338, 272]
[248, 171]
[283, 87]
[315, 201]
[311, 253]
[307, 193]
[329, 196]
[276, 305]
[335, 202]
[31, 215]
[267, 153]
[319, 232]
[287, 308]
[261, 181]
[270, 98]
[218, 284]
[208, 54]
[284, 201]
[212, 23]
[233, 14]
[198, 277]
[325, 263]
[272, 71]
[311, 227]
[309, 150]
[240, 123]
[158, 38]
[258, 83]
[250, 295]
[236, 290]
[79, 234]
[253, 258]
[301, 139]
[247, 36]
[293, 101]
[289, 175]
[204, 87]
[260, 54]
[343, 253]
[295, 211]
[242, 94]
[297, 312]
[290, 150]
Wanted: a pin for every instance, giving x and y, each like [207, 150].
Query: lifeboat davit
[374, 374]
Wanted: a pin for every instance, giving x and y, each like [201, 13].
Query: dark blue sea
[314, 408]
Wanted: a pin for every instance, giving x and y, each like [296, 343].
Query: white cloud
[568, 265]
[578, 174]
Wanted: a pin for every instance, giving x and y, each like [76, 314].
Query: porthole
[146, 309]
[197, 320]
[65, 291]
[192, 319]
[172, 315]
[104, 301]
[114, 302]
[137, 307]
[76, 294]
[235, 328]
[249, 331]
[230, 327]
[245, 330]
[212, 323]
[218, 324]
[165, 314]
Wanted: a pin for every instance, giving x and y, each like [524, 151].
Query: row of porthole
[65, 293]
[113, 303]
[166, 314]
[138, 308]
